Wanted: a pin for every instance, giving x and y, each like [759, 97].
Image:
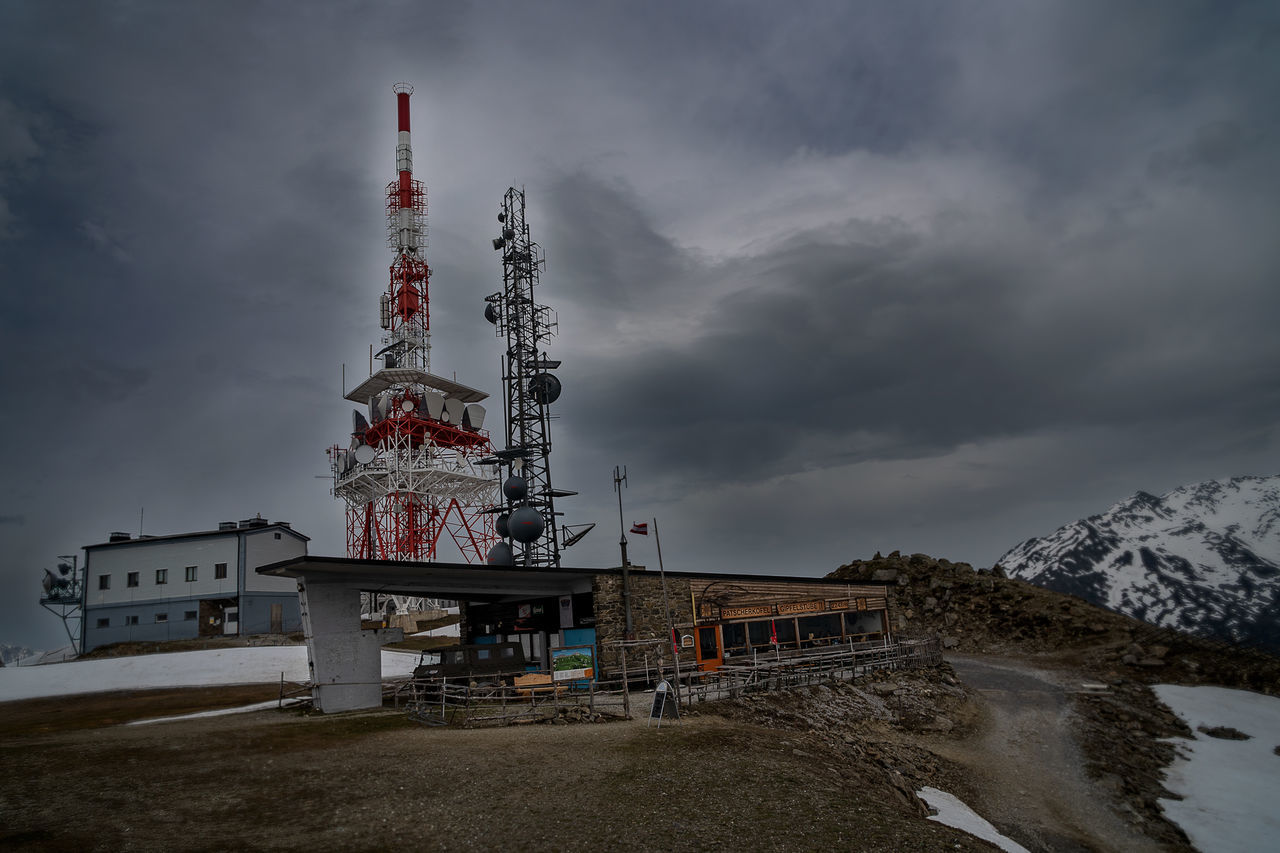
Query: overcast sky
[831, 278]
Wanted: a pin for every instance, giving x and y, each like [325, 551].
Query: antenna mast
[530, 389]
[412, 471]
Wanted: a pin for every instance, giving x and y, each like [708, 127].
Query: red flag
[773, 632]
[640, 527]
[675, 645]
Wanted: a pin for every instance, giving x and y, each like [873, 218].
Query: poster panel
[573, 662]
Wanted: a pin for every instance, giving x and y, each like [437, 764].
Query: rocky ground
[1043, 721]
[1121, 726]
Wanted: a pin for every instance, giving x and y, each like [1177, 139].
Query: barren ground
[830, 766]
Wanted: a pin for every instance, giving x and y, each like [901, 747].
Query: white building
[188, 585]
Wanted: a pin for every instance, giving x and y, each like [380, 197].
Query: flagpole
[666, 603]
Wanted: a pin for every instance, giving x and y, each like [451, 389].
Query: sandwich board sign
[662, 700]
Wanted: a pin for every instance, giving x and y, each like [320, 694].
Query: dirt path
[1027, 771]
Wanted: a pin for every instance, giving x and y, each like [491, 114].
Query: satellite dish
[515, 488]
[544, 388]
[491, 313]
[454, 408]
[435, 404]
[46, 582]
[407, 405]
[502, 217]
[365, 454]
[500, 555]
[526, 524]
[473, 416]
[574, 538]
[64, 569]
[358, 422]
[500, 525]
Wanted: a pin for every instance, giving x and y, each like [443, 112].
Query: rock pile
[980, 610]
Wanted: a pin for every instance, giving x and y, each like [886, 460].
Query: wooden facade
[737, 616]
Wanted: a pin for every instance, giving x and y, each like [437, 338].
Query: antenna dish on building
[500, 555]
[365, 454]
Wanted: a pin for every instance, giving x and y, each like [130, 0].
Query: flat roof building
[189, 585]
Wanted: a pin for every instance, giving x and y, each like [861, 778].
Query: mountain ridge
[1203, 558]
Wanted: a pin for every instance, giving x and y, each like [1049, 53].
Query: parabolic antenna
[526, 524]
[435, 404]
[473, 416]
[515, 488]
[500, 555]
[407, 405]
[358, 422]
[365, 454]
[454, 408]
[544, 388]
[500, 525]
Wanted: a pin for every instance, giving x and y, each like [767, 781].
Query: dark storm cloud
[874, 341]
[922, 275]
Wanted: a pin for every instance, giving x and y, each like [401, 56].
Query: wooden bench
[534, 682]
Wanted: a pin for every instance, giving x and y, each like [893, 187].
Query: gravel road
[1027, 771]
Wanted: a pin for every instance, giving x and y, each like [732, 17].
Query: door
[277, 618]
[710, 653]
[231, 621]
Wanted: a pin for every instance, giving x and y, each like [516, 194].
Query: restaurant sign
[791, 607]
[746, 612]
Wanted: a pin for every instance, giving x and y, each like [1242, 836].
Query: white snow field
[254, 665]
[1230, 788]
[952, 812]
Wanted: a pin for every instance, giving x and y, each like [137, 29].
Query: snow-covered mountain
[1204, 559]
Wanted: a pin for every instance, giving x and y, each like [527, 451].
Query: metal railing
[497, 701]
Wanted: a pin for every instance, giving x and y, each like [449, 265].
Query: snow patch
[212, 667]
[952, 812]
[1229, 787]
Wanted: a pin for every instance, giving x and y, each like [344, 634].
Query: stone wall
[648, 617]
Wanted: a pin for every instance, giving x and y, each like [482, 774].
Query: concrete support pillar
[346, 661]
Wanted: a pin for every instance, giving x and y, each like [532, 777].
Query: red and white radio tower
[411, 472]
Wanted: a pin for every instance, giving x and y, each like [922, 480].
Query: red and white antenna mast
[412, 469]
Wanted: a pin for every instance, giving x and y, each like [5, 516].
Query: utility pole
[619, 481]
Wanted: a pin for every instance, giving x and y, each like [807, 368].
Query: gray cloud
[869, 277]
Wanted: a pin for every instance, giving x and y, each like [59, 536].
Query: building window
[189, 615]
[162, 617]
[131, 579]
[104, 581]
[104, 623]
[219, 571]
[131, 620]
[191, 573]
[162, 575]
[277, 535]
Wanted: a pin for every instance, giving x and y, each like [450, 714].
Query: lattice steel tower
[412, 471]
[530, 389]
